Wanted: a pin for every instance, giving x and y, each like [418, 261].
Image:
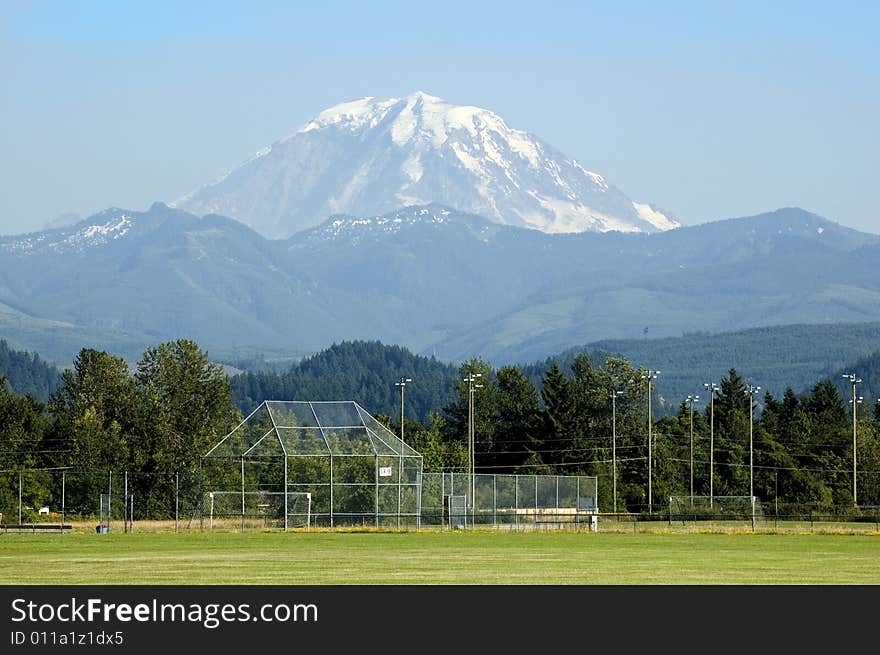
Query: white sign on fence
[384, 471]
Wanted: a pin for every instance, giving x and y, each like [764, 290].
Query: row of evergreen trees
[27, 373]
[801, 452]
[156, 421]
[364, 371]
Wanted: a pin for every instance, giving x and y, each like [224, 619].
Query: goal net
[683, 508]
[220, 506]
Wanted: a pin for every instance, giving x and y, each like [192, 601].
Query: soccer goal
[456, 511]
[717, 508]
[226, 508]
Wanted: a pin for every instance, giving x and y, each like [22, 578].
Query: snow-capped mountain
[372, 156]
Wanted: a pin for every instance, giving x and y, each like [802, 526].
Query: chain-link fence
[359, 491]
[61, 499]
[509, 501]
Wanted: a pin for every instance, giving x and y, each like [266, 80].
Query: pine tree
[517, 429]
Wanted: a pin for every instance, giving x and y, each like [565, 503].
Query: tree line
[154, 422]
[797, 450]
[157, 419]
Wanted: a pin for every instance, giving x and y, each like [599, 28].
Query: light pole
[712, 388]
[614, 394]
[855, 401]
[751, 391]
[649, 375]
[691, 399]
[471, 379]
[402, 385]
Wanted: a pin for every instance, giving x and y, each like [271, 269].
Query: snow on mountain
[339, 225]
[372, 156]
[354, 230]
[102, 228]
[655, 217]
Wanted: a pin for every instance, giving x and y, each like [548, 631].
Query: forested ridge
[27, 373]
[776, 357]
[364, 371]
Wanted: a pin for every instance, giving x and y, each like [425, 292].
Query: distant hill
[363, 371]
[27, 373]
[867, 369]
[774, 358]
[428, 278]
[59, 341]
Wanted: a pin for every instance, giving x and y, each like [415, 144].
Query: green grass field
[488, 558]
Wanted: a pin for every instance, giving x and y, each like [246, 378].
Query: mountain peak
[373, 155]
[421, 95]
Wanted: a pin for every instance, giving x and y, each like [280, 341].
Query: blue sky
[709, 110]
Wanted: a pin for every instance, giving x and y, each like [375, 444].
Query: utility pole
[650, 375]
[855, 401]
[614, 394]
[402, 385]
[691, 399]
[712, 387]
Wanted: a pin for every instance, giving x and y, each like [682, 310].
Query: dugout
[301, 464]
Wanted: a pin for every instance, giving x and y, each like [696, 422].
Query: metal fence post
[494, 500]
[125, 516]
[177, 502]
[201, 493]
[376, 478]
[557, 502]
[331, 488]
[516, 500]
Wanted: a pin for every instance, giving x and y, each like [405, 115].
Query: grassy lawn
[488, 558]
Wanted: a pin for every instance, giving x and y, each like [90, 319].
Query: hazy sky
[708, 110]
